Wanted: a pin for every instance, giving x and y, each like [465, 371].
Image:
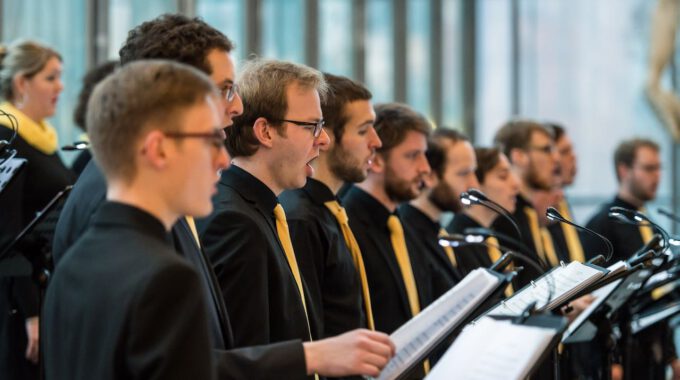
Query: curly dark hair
[174, 37]
[90, 80]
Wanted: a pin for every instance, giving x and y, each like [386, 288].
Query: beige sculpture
[666, 104]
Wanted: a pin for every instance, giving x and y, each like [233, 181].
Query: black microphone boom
[553, 214]
[669, 215]
[474, 196]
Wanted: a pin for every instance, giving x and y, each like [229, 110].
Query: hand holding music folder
[503, 348]
[417, 337]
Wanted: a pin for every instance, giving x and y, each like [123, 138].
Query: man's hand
[32, 331]
[358, 352]
[578, 305]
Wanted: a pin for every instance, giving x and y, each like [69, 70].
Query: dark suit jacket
[263, 362]
[443, 275]
[368, 219]
[241, 241]
[472, 256]
[324, 259]
[43, 176]
[130, 311]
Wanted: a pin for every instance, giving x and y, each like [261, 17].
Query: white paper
[492, 349]
[437, 320]
[599, 296]
[564, 281]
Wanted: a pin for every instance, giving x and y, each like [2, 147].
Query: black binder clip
[526, 313]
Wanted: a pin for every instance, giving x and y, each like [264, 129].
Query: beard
[397, 189]
[344, 166]
[641, 193]
[443, 196]
[534, 180]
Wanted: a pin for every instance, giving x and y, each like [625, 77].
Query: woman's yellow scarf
[42, 136]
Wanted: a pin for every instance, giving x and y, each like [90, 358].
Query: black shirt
[443, 275]
[242, 243]
[368, 219]
[123, 305]
[528, 240]
[285, 359]
[626, 239]
[325, 261]
[469, 256]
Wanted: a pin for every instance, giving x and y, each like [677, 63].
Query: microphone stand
[474, 196]
[553, 214]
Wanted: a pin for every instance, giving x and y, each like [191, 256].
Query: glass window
[228, 17]
[283, 30]
[419, 56]
[494, 68]
[380, 50]
[126, 14]
[37, 20]
[452, 51]
[584, 64]
[335, 42]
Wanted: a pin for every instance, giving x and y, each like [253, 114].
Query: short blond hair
[140, 94]
[263, 85]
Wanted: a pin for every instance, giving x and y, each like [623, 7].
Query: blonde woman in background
[30, 85]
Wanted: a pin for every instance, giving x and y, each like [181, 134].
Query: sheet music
[492, 349]
[419, 334]
[564, 281]
[641, 323]
[600, 295]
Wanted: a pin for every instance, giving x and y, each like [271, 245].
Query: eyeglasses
[314, 126]
[547, 149]
[216, 137]
[229, 91]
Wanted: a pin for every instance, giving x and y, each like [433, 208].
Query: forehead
[540, 138]
[303, 99]
[413, 141]
[460, 153]
[221, 66]
[359, 109]
[646, 154]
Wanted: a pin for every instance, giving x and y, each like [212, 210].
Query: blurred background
[467, 64]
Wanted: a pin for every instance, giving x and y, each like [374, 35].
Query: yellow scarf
[42, 136]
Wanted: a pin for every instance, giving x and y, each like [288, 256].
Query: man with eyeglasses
[122, 303]
[193, 42]
[330, 260]
[637, 163]
[247, 237]
[530, 148]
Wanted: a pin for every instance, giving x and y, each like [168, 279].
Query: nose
[222, 159]
[424, 165]
[375, 142]
[235, 107]
[322, 140]
[472, 182]
[60, 85]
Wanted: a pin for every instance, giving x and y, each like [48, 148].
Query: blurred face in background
[501, 184]
[37, 96]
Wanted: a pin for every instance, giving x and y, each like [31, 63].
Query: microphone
[668, 215]
[77, 145]
[627, 216]
[458, 240]
[555, 215]
[474, 196]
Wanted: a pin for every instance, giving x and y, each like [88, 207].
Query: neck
[323, 173]
[526, 192]
[481, 215]
[376, 187]
[254, 166]
[31, 114]
[630, 198]
[142, 198]
[428, 208]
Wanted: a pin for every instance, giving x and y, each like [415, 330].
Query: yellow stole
[41, 136]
